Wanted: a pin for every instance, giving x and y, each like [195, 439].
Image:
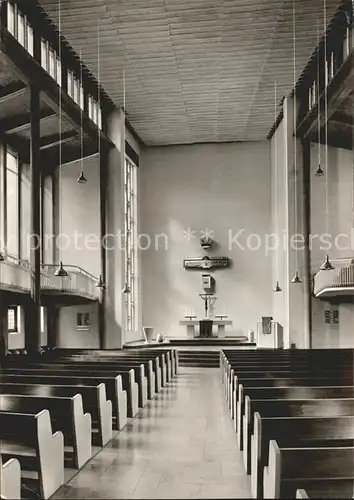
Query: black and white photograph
[176, 249]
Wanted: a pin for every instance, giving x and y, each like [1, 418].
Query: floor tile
[181, 445]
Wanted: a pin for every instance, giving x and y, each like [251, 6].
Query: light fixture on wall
[81, 179]
[60, 272]
[319, 172]
[326, 265]
[296, 279]
[277, 286]
[2, 257]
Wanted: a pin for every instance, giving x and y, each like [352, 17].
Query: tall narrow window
[52, 63]
[44, 54]
[59, 73]
[11, 16]
[21, 30]
[131, 235]
[30, 40]
[70, 84]
[12, 203]
[12, 319]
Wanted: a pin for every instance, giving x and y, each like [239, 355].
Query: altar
[220, 323]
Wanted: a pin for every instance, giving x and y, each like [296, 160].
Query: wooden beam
[18, 123]
[13, 90]
[54, 140]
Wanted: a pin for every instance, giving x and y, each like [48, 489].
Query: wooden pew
[321, 472]
[94, 367]
[10, 479]
[94, 402]
[159, 363]
[29, 439]
[127, 380]
[282, 380]
[275, 371]
[152, 368]
[66, 415]
[295, 433]
[114, 388]
[286, 393]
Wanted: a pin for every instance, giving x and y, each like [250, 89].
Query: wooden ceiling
[196, 70]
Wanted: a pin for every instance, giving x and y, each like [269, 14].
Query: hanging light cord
[276, 167]
[81, 117]
[60, 135]
[318, 96]
[295, 137]
[326, 109]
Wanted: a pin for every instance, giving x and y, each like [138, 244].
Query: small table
[192, 323]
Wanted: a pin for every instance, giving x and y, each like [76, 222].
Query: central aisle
[182, 445]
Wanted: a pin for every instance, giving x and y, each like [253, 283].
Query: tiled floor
[182, 445]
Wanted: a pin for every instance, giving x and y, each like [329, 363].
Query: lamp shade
[326, 266]
[296, 279]
[60, 272]
[277, 287]
[99, 283]
[82, 179]
[126, 289]
[319, 172]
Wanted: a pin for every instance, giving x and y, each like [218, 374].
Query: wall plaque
[206, 263]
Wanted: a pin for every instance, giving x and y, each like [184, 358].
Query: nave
[181, 445]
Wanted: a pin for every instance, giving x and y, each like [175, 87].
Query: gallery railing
[15, 274]
[335, 282]
[77, 282]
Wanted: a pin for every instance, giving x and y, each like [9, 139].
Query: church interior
[176, 249]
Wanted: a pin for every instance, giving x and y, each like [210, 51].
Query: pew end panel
[10, 479]
[122, 403]
[256, 444]
[83, 431]
[105, 415]
[272, 472]
[239, 415]
[247, 430]
[301, 494]
[51, 455]
[151, 381]
[143, 387]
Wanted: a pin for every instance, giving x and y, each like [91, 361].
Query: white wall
[81, 215]
[223, 187]
[69, 336]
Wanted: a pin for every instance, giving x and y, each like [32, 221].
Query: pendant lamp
[277, 287]
[326, 265]
[296, 279]
[319, 172]
[81, 179]
[126, 289]
[60, 272]
[99, 283]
